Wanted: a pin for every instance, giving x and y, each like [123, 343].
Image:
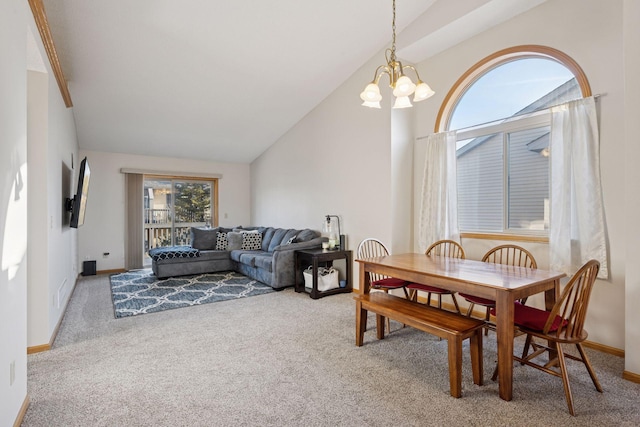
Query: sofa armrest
[309, 244]
[284, 273]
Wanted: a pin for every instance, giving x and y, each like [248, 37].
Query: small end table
[316, 257]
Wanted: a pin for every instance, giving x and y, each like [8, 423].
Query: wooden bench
[453, 327]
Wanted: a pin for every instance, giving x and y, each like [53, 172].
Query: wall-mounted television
[78, 204]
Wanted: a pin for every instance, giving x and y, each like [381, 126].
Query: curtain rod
[519, 116]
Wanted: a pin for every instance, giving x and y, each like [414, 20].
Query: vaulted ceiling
[223, 80]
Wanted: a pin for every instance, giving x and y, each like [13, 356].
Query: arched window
[500, 112]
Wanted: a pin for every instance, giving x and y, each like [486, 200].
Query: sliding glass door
[172, 206]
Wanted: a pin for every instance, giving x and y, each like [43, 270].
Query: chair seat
[533, 318]
[389, 283]
[428, 288]
[480, 301]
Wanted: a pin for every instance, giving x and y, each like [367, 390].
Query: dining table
[504, 284]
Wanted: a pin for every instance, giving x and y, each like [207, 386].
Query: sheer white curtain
[577, 228]
[438, 210]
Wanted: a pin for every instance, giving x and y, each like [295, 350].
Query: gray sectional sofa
[265, 254]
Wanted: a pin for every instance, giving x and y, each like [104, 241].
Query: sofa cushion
[306, 235]
[248, 258]
[173, 252]
[267, 235]
[289, 237]
[204, 238]
[263, 261]
[277, 238]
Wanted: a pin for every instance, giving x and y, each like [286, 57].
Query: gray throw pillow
[204, 238]
[234, 241]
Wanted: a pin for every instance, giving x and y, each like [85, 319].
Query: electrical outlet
[12, 372]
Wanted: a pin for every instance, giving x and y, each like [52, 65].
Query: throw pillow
[291, 240]
[251, 241]
[221, 242]
[205, 239]
[234, 240]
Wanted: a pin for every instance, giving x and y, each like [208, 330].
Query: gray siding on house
[481, 185]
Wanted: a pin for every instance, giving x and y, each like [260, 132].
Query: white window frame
[480, 68]
[533, 120]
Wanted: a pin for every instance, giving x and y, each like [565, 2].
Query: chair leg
[495, 373]
[455, 302]
[440, 301]
[525, 350]
[487, 318]
[592, 373]
[565, 378]
[470, 309]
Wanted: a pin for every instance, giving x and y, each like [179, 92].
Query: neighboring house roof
[567, 91]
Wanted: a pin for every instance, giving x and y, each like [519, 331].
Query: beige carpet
[283, 359]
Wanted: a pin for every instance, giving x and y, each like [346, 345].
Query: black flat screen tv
[79, 202]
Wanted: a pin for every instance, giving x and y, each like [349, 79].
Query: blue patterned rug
[140, 291]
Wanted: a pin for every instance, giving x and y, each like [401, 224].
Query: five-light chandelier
[402, 85]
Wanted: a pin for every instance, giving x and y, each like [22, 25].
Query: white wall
[631, 33]
[103, 229]
[338, 159]
[52, 251]
[591, 33]
[13, 208]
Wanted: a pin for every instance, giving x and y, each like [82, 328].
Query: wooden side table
[316, 257]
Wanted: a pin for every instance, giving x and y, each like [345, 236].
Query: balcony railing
[157, 216]
[158, 234]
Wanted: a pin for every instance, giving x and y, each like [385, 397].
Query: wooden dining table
[502, 283]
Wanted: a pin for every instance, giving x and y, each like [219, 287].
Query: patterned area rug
[140, 291]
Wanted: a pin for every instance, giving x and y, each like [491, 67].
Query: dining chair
[444, 248]
[564, 324]
[507, 255]
[371, 248]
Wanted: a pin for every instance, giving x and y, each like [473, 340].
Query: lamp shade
[404, 87]
[402, 102]
[423, 91]
[371, 93]
[372, 104]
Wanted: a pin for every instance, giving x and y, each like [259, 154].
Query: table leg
[454, 344]
[504, 332]
[380, 326]
[315, 294]
[476, 357]
[361, 323]
[364, 282]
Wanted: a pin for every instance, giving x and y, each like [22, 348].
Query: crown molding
[37, 8]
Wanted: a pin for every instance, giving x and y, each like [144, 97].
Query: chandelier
[402, 85]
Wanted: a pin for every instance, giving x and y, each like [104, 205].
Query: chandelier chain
[393, 29]
[401, 84]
